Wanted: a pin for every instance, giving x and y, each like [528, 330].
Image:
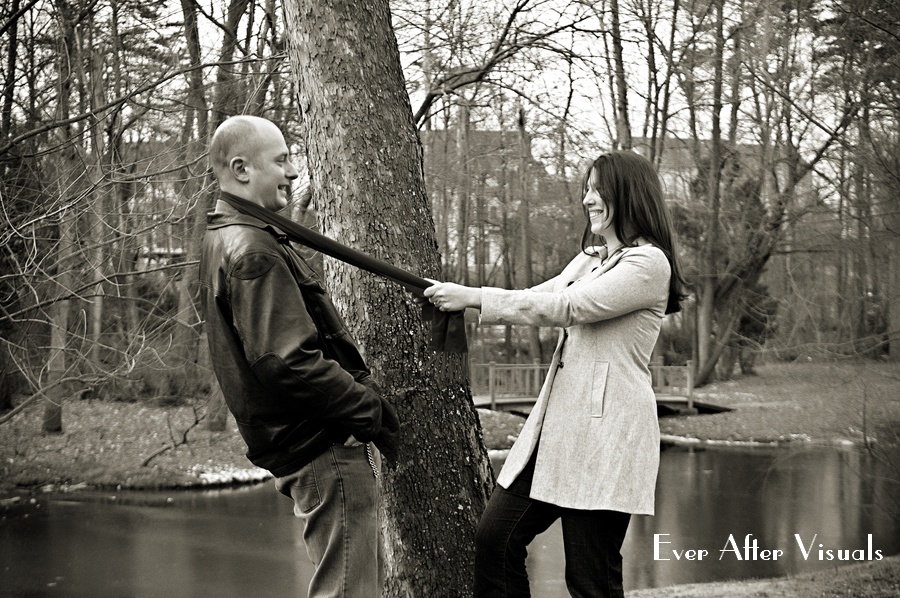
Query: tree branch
[12, 19]
[500, 51]
[175, 443]
[118, 101]
[76, 293]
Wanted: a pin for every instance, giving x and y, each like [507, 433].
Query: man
[301, 394]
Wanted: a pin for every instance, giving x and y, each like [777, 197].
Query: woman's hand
[448, 296]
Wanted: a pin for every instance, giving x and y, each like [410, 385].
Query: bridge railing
[517, 381]
[673, 381]
[506, 381]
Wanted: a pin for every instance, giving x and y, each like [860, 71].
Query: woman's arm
[640, 280]
[449, 296]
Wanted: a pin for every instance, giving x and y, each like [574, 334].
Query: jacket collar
[618, 254]
[224, 214]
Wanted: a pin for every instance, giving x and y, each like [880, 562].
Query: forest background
[774, 126]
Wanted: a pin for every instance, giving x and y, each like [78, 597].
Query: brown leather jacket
[291, 375]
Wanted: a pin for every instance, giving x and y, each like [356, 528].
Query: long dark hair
[628, 183]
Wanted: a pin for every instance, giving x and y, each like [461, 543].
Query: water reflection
[245, 542]
[830, 498]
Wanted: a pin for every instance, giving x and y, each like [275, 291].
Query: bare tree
[103, 193]
[366, 166]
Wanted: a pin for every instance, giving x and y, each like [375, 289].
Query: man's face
[270, 169]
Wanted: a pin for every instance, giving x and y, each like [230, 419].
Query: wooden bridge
[515, 386]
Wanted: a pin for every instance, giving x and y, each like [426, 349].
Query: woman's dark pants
[592, 541]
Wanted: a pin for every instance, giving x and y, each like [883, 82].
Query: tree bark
[534, 339]
[9, 80]
[892, 294]
[365, 162]
[706, 312]
[191, 346]
[623, 124]
[66, 169]
[230, 92]
[463, 186]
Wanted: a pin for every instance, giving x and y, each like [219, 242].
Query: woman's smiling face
[599, 212]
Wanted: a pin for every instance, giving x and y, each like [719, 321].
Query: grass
[118, 444]
[854, 402]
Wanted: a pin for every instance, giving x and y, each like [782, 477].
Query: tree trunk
[7, 328]
[92, 75]
[534, 339]
[9, 80]
[462, 185]
[58, 365]
[366, 166]
[66, 169]
[230, 92]
[216, 409]
[706, 290]
[623, 125]
[663, 129]
[190, 346]
[892, 291]
[509, 274]
[705, 319]
[860, 270]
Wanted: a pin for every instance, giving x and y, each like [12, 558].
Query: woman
[589, 452]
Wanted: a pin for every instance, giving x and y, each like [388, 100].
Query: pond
[810, 504]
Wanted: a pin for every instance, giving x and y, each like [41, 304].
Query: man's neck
[239, 194]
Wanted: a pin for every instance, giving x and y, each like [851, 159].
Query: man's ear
[238, 168]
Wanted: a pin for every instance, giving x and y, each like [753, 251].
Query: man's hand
[388, 438]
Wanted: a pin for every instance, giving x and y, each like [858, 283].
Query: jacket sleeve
[640, 280]
[280, 343]
[546, 286]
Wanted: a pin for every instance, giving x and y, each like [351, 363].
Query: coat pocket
[598, 387]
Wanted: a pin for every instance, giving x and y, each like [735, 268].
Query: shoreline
[235, 477]
[793, 442]
[117, 445]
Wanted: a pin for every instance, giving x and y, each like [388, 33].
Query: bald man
[301, 393]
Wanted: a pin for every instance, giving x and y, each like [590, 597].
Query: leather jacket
[290, 373]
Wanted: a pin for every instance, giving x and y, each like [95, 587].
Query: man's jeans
[337, 497]
[592, 541]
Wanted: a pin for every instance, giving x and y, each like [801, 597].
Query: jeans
[337, 498]
[592, 541]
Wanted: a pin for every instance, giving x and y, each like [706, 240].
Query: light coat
[595, 416]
